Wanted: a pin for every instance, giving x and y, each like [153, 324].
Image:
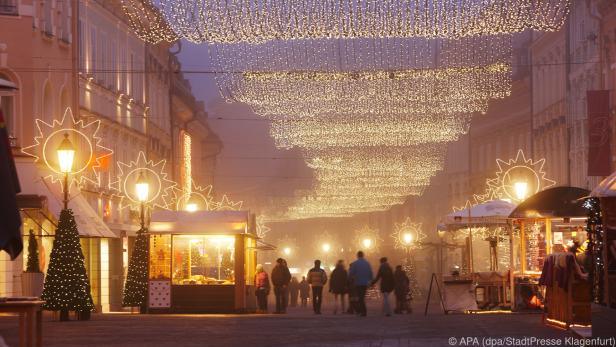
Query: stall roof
[491, 212]
[557, 202]
[200, 222]
[606, 188]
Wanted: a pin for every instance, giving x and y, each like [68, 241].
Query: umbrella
[495, 211]
[553, 202]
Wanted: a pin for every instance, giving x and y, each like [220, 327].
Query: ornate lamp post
[66, 156]
[142, 191]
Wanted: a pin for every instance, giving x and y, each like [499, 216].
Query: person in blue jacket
[361, 273]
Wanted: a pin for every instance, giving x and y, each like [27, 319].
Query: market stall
[545, 224]
[484, 229]
[202, 261]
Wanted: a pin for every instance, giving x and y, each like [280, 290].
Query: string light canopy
[148, 22]
[256, 21]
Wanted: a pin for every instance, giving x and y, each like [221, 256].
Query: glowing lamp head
[287, 251]
[326, 247]
[407, 238]
[191, 207]
[142, 188]
[66, 155]
[521, 190]
[367, 243]
[441, 233]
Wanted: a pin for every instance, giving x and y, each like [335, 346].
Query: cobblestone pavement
[298, 328]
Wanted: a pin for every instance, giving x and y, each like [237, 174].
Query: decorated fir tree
[136, 287]
[66, 285]
[33, 265]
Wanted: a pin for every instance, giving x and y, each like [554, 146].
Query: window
[7, 106]
[102, 76]
[82, 46]
[203, 259]
[47, 18]
[8, 7]
[92, 57]
[65, 17]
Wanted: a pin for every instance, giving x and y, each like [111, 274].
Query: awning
[606, 188]
[200, 222]
[4, 85]
[491, 212]
[89, 223]
[558, 202]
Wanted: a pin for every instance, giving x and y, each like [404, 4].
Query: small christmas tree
[67, 287]
[33, 265]
[136, 287]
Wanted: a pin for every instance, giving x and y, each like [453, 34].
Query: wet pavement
[297, 328]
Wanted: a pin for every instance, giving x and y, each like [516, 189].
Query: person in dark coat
[294, 290]
[281, 276]
[338, 285]
[386, 276]
[401, 290]
[304, 291]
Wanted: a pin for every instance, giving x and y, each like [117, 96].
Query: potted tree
[32, 279]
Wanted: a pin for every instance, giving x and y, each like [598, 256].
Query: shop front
[202, 262]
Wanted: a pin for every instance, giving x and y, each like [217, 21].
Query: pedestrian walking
[280, 279]
[386, 276]
[338, 285]
[304, 291]
[294, 290]
[317, 278]
[403, 287]
[262, 285]
[361, 272]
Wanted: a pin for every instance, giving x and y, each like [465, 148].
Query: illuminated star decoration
[262, 229]
[226, 204]
[198, 198]
[161, 194]
[408, 235]
[367, 239]
[518, 170]
[89, 153]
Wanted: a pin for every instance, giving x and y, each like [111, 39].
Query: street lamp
[407, 238]
[367, 243]
[287, 251]
[66, 156]
[142, 189]
[191, 205]
[326, 247]
[521, 190]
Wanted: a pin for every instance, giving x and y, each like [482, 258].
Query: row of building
[138, 93]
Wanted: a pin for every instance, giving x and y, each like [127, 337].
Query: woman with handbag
[262, 285]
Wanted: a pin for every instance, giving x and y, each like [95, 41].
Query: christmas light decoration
[408, 235]
[516, 173]
[594, 249]
[147, 21]
[367, 239]
[67, 287]
[88, 154]
[262, 228]
[256, 21]
[161, 189]
[226, 204]
[136, 286]
[196, 199]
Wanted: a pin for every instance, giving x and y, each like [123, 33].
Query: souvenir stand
[201, 261]
[487, 288]
[547, 223]
[604, 259]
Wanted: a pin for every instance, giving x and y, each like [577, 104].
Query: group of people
[353, 283]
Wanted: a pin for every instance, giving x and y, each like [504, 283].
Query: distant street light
[326, 247]
[367, 243]
[287, 251]
[407, 238]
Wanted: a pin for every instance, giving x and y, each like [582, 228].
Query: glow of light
[408, 238]
[187, 163]
[66, 154]
[521, 189]
[287, 251]
[367, 243]
[326, 247]
[191, 207]
[142, 188]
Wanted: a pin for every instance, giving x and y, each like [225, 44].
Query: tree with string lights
[67, 287]
[136, 287]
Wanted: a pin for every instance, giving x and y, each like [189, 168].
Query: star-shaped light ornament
[519, 178]
[262, 228]
[161, 189]
[90, 157]
[197, 199]
[226, 204]
[408, 235]
[367, 239]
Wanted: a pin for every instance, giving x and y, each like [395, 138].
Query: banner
[599, 156]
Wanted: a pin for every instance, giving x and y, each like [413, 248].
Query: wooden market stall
[547, 223]
[202, 261]
[488, 286]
